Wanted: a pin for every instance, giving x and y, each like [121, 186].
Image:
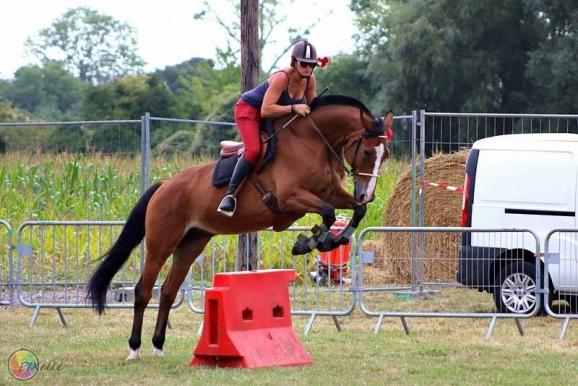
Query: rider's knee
[251, 155]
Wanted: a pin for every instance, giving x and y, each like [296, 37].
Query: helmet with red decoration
[304, 52]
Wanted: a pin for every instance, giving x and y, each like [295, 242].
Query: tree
[15, 138]
[9, 113]
[551, 67]
[93, 46]
[441, 55]
[199, 87]
[270, 19]
[47, 92]
[129, 98]
[346, 75]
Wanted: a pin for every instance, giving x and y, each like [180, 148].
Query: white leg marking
[132, 355]
[158, 353]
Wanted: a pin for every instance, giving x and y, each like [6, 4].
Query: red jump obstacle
[248, 322]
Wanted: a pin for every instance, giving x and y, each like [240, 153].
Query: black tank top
[255, 96]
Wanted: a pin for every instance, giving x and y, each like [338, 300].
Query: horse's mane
[331, 100]
[342, 100]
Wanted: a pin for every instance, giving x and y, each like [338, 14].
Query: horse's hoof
[332, 242]
[300, 247]
[132, 355]
[158, 353]
[327, 245]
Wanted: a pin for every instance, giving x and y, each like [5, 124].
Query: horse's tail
[132, 234]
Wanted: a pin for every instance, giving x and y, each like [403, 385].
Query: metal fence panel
[401, 145]
[322, 287]
[6, 264]
[448, 132]
[57, 258]
[445, 272]
[561, 275]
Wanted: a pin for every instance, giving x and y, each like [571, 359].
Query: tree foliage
[129, 98]
[494, 56]
[551, 67]
[46, 92]
[95, 47]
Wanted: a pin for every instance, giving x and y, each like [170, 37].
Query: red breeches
[248, 120]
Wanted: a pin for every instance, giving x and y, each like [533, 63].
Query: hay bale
[442, 208]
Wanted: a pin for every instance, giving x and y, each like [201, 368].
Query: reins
[331, 150]
[294, 117]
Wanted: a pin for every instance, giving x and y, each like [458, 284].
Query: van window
[526, 178]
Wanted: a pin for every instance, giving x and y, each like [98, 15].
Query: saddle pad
[223, 171]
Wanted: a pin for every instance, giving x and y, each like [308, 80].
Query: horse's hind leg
[142, 296]
[184, 255]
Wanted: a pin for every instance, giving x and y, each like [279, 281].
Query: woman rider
[285, 92]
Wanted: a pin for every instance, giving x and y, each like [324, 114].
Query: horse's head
[366, 152]
[349, 128]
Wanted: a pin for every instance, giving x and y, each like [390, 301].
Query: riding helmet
[304, 51]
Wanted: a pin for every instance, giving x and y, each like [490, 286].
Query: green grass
[437, 352]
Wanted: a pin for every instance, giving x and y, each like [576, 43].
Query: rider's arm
[270, 108]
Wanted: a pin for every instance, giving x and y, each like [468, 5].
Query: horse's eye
[367, 153]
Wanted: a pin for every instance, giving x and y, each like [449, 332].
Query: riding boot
[229, 202]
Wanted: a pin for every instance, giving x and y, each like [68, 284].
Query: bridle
[357, 143]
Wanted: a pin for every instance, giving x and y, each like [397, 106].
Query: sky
[167, 32]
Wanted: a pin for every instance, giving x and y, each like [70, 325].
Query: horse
[340, 136]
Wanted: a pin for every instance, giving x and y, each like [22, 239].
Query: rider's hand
[302, 109]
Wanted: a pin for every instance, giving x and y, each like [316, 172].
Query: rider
[287, 91]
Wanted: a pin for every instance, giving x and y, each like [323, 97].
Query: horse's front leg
[343, 237]
[333, 241]
[344, 200]
[303, 201]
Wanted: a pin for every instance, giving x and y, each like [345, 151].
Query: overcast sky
[167, 31]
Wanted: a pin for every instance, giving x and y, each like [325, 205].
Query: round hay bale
[442, 208]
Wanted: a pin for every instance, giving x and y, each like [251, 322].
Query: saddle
[232, 150]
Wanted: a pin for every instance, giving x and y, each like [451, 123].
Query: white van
[520, 181]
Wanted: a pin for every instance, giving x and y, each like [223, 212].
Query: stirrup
[226, 211]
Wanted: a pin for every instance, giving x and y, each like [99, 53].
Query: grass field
[437, 352]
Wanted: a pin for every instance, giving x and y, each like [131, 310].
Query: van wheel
[516, 291]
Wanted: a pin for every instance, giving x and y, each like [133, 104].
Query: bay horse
[180, 216]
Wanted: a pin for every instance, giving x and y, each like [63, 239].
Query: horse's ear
[388, 123]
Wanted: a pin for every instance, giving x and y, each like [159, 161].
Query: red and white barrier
[440, 185]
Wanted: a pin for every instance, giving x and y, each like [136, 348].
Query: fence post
[10, 261]
[413, 263]
[145, 166]
[11, 280]
[145, 152]
[421, 249]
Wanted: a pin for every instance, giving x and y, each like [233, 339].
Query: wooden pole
[247, 245]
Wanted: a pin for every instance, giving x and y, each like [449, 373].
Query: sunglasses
[305, 64]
